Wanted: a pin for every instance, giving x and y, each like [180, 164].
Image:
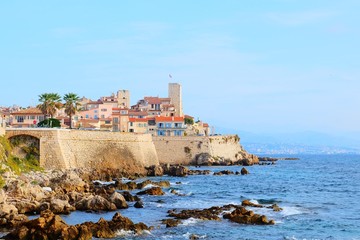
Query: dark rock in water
[243, 216]
[247, 203]
[139, 204]
[171, 222]
[152, 191]
[204, 214]
[130, 198]
[244, 171]
[194, 236]
[275, 208]
[224, 172]
[175, 171]
[155, 171]
[51, 226]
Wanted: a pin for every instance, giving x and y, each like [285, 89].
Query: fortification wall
[183, 150]
[94, 149]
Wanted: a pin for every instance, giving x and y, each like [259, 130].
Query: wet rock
[171, 222]
[243, 216]
[130, 198]
[175, 171]
[204, 214]
[139, 204]
[155, 171]
[224, 172]
[152, 191]
[51, 226]
[247, 203]
[244, 171]
[275, 208]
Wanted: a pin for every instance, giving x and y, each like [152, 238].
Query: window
[131, 124]
[96, 116]
[116, 120]
[103, 110]
[19, 118]
[95, 111]
[103, 116]
[87, 116]
[168, 125]
[107, 122]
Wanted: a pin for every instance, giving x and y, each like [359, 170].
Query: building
[29, 117]
[123, 99]
[120, 119]
[170, 126]
[138, 125]
[176, 99]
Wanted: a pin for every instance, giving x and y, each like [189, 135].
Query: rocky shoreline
[54, 192]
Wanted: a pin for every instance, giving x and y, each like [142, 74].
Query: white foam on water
[190, 221]
[254, 201]
[103, 182]
[123, 233]
[149, 186]
[288, 211]
[188, 235]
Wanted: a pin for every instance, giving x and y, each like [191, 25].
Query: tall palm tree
[49, 104]
[71, 105]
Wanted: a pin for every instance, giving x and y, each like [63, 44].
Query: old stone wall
[183, 150]
[130, 152]
[85, 149]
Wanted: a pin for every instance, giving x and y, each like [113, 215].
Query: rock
[130, 198]
[175, 171]
[242, 216]
[276, 208]
[244, 171]
[26, 206]
[50, 226]
[194, 236]
[204, 214]
[155, 171]
[95, 203]
[171, 222]
[118, 200]
[152, 191]
[139, 204]
[59, 206]
[250, 204]
[224, 172]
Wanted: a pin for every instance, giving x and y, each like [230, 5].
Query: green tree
[49, 104]
[189, 121]
[71, 105]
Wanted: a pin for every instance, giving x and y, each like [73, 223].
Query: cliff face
[198, 149]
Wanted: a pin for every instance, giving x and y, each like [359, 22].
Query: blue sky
[260, 66]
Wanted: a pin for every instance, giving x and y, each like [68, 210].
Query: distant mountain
[299, 142]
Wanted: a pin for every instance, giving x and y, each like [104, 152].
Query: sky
[261, 66]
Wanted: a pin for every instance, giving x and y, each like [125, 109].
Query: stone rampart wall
[183, 150]
[83, 149]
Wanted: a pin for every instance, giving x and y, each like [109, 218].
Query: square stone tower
[123, 98]
[175, 95]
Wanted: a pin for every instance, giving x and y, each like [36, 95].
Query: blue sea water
[319, 194]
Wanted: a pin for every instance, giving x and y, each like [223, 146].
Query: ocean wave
[190, 221]
[103, 182]
[288, 211]
[189, 235]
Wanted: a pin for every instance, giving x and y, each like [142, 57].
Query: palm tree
[71, 105]
[49, 104]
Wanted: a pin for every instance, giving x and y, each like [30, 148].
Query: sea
[319, 195]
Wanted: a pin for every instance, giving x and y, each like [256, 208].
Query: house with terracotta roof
[29, 117]
[170, 126]
[138, 125]
[120, 119]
